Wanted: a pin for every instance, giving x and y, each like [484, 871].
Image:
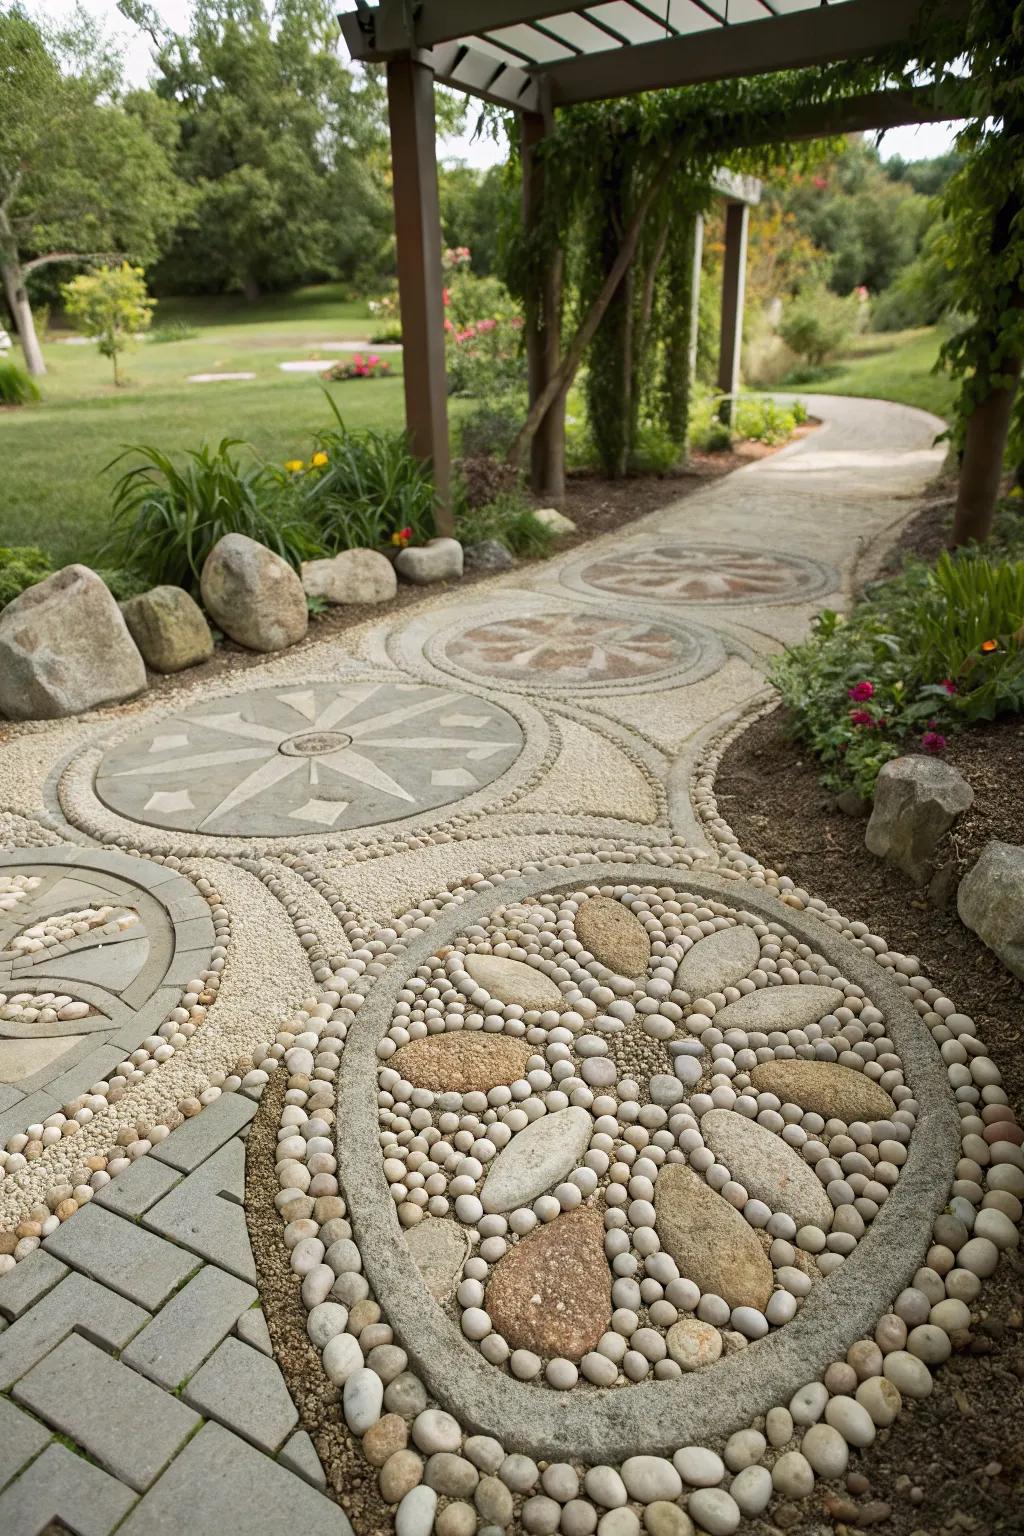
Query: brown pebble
[8, 1242]
[65, 1209]
[840, 1509]
[841, 1379]
[874, 1513]
[402, 1472]
[383, 1439]
[362, 1315]
[858, 1483]
[29, 1228]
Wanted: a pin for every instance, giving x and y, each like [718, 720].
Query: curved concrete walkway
[555, 711]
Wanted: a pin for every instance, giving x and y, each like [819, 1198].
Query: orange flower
[989, 645]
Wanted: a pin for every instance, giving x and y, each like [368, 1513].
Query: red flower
[861, 717]
[862, 691]
[948, 684]
[933, 742]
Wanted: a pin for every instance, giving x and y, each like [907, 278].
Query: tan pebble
[65, 1209]
[409, 1214]
[189, 1107]
[402, 1472]
[383, 1439]
[29, 1228]
[8, 1242]
[363, 1315]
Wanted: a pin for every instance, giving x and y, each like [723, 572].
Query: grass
[891, 365]
[55, 492]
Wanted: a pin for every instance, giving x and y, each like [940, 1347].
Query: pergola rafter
[535, 56]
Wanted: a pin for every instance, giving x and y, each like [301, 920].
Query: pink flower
[932, 741]
[861, 717]
[373, 359]
[861, 691]
[486, 325]
[948, 684]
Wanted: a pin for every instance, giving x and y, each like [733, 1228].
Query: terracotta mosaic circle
[576, 649]
[277, 762]
[705, 573]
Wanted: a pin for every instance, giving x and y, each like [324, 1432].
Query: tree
[286, 150]
[110, 304]
[85, 172]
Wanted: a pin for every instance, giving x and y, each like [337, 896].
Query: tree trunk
[251, 289]
[561, 380]
[21, 314]
[625, 298]
[981, 467]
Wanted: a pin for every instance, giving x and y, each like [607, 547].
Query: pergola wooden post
[543, 329]
[420, 279]
[697, 259]
[734, 282]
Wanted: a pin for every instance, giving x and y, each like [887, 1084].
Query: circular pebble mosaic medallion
[592, 651]
[326, 756]
[704, 573]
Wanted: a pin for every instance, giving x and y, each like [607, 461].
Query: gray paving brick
[137, 1431]
[204, 1212]
[245, 1391]
[21, 1438]
[65, 1487]
[220, 1485]
[181, 1336]
[300, 1456]
[28, 1281]
[76, 1305]
[9, 1096]
[121, 1255]
[94, 1068]
[139, 1187]
[27, 1110]
[252, 1328]
[196, 1140]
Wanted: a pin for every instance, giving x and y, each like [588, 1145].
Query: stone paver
[126, 1423]
[252, 1328]
[62, 1486]
[21, 1438]
[300, 1456]
[121, 1255]
[189, 1328]
[204, 1212]
[246, 1392]
[77, 1304]
[223, 1485]
[140, 1186]
[30, 1280]
[195, 1141]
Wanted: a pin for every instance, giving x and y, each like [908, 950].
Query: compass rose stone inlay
[279, 761]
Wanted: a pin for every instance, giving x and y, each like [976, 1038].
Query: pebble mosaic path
[416, 1000]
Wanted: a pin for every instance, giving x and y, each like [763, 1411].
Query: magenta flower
[932, 741]
[861, 717]
[948, 684]
[862, 691]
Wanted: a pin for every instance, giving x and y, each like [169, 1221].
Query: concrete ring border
[648, 1417]
[826, 579]
[70, 798]
[162, 982]
[427, 642]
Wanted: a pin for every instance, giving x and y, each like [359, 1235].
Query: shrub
[760, 419]
[173, 330]
[655, 450]
[925, 653]
[818, 324]
[16, 386]
[510, 519]
[365, 488]
[387, 335]
[488, 428]
[20, 567]
[167, 516]
[109, 304]
[481, 480]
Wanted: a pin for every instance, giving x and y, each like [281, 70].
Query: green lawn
[892, 365]
[54, 489]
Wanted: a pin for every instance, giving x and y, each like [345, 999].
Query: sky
[920, 142]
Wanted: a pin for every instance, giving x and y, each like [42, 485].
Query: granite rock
[551, 1293]
[353, 576]
[917, 800]
[253, 595]
[709, 1239]
[990, 902]
[613, 935]
[169, 628]
[825, 1088]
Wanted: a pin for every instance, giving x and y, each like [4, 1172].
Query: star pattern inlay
[570, 648]
[685, 573]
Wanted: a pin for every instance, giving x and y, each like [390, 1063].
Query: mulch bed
[963, 1447]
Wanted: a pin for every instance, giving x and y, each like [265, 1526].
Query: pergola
[535, 56]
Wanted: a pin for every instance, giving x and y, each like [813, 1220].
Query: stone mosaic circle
[304, 757]
[667, 1132]
[705, 573]
[578, 650]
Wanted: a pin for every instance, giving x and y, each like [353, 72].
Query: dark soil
[963, 1447]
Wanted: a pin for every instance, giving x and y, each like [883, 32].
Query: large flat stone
[536, 1158]
[139, 1428]
[189, 1328]
[613, 935]
[122, 1256]
[246, 1392]
[462, 1061]
[824, 1088]
[440, 1247]
[783, 1007]
[709, 1239]
[718, 961]
[551, 1293]
[225, 1486]
[512, 981]
[61, 1491]
[767, 1168]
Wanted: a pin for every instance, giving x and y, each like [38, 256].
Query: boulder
[65, 647]
[169, 629]
[554, 521]
[440, 560]
[917, 800]
[353, 576]
[990, 901]
[489, 555]
[253, 595]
